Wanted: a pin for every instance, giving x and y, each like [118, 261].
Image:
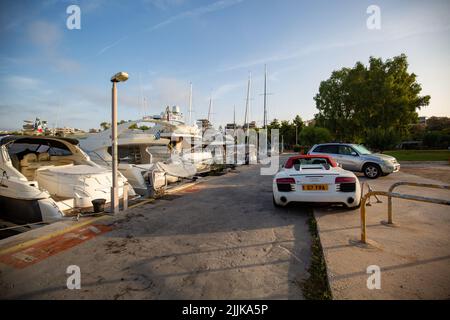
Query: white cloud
[216, 6]
[21, 82]
[44, 34]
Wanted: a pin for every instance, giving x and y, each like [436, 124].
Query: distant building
[309, 123]
[62, 132]
[422, 120]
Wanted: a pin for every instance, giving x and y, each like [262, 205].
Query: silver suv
[355, 157]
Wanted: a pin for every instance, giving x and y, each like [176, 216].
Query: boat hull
[20, 211]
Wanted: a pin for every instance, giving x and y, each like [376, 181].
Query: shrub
[436, 139]
[313, 135]
[382, 139]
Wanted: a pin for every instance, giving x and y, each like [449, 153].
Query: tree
[275, 124]
[105, 125]
[438, 123]
[382, 95]
[298, 123]
[313, 135]
[381, 139]
[134, 126]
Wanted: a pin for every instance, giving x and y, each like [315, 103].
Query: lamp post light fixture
[118, 77]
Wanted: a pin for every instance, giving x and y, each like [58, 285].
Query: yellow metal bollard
[391, 195]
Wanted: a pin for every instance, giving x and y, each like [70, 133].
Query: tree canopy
[357, 101]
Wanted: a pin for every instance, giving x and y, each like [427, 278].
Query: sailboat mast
[190, 104]
[247, 103]
[210, 109]
[265, 97]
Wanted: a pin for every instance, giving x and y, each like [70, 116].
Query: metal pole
[114, 189]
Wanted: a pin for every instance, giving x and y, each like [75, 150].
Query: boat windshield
[361, 149]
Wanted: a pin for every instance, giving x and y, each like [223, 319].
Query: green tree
[134, 126]
[382, 95]
[381, 139]
[105, 125]
[438, 123]
[298, 123]
[313, 135]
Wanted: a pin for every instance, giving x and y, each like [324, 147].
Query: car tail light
[345, 184]
[286, 184]
[345, 180]
[285, 181]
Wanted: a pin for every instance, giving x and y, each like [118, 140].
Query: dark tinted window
[327, 149]
[345, 150]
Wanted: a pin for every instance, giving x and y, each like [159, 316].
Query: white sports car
[315, 178]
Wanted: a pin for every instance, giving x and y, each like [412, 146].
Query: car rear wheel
[371, 170]
[275, 204]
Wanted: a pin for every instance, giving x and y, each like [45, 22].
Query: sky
[63, 75]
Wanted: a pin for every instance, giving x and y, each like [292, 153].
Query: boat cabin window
[28, 155]
[53, 148]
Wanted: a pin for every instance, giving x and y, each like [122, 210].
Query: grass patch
[316, 287]
[420, 155]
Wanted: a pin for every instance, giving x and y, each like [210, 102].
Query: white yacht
[185, 140]
[47, 178]
[144, 156]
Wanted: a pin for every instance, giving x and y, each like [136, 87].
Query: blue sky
[62, 75]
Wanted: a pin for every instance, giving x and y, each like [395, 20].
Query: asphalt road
[221, 239]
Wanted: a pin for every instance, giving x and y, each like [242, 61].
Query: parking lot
[220, 239]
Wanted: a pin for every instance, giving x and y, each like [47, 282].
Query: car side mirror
[354, 154]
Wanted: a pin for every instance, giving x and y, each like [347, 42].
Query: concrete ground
[414, 256]
[221, 239]
[436, 170]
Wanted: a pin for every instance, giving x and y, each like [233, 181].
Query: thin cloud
[111, 45]
[311, 49]
[216, 6]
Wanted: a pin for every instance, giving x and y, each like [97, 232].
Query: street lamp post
[118, 77]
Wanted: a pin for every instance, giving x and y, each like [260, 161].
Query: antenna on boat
[141, 96]
[190, 103]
